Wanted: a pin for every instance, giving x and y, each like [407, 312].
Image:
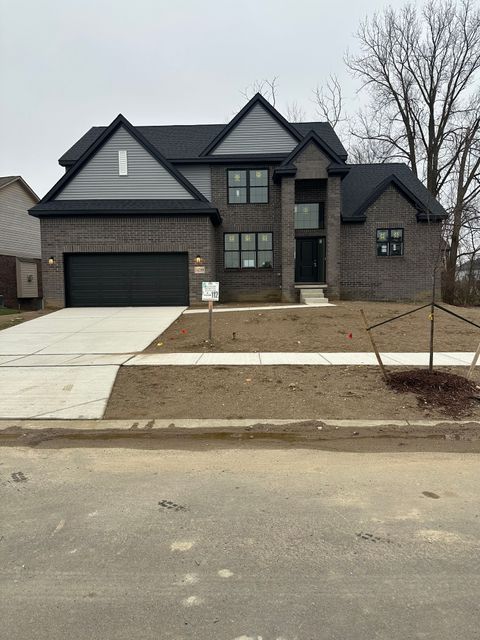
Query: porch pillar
[288, 240]
[333, 221]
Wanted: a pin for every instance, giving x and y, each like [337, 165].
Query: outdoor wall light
[198, 260]
[51, 261]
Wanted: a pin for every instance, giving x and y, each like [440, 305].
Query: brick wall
[8, 285]
[408, 277]
[248, 284]
[191, 234]
[312, 165]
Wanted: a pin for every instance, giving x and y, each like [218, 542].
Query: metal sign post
[210, 293]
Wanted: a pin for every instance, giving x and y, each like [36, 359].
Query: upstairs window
[247, 185]
[248, 251]
[310, 216]
[122, 163]
[389, 242]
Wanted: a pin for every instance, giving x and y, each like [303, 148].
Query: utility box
[27, 278]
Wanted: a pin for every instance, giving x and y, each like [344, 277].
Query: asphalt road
[238, 543]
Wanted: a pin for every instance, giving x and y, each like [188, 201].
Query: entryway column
[333, 221]
[288, 240]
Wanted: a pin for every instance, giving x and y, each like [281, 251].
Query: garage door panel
[126, 279]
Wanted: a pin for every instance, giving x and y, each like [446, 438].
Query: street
[239, 541]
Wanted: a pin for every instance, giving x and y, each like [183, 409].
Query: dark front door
[126, 279]
[310, 260]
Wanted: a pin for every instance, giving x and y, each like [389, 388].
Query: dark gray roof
[365, 181]
[127, 207]
[187, 141]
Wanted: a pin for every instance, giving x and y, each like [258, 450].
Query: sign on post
[210, 293]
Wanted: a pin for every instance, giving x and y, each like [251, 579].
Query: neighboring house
[20, 267]
[268, 208]
[469, 270]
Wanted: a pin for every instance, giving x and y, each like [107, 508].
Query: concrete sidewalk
[418, 359]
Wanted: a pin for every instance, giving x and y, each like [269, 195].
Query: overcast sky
[67, 65]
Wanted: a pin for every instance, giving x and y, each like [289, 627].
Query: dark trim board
[110, 279]
[121, 121]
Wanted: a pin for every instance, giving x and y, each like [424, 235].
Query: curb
[133, 427]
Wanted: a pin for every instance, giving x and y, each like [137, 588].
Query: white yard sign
[210, 291]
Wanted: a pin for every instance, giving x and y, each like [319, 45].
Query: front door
[310, 260]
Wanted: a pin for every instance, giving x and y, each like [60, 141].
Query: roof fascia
[121, 121]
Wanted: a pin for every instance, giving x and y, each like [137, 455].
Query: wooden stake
[210, 320]
[374, 346]
[474, 362]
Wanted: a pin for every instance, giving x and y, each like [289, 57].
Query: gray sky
[67, 65]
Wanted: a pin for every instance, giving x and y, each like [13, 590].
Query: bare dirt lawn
[11, 317]
[286, 392]
[338, 328]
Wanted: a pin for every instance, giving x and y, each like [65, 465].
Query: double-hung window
[247, 185]
[248, 251]
[389, 242]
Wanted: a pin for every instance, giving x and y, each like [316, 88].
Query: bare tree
[295, 112]
[420, 68]
[267, 88]
[329, 101]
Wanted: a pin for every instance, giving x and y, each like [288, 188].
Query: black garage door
[126, 279]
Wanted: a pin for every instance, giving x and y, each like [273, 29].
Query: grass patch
[6, 312]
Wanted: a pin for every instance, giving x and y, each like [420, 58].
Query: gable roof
[121, 121]
[186, 142]
[366, 182]
[257, 99]
[336, 166]
[6, 180]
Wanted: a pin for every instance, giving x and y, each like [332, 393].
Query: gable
[256, 132]
[311, 162]
[146, 178]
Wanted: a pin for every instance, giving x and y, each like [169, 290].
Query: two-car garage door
[126, 279]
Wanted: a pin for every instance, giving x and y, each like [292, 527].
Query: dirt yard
[338, 328]
[265, 392]
[11, 317]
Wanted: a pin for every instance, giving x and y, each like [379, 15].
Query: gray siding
[146, 178]
[257, 132]
[19, 232]
[200, 176]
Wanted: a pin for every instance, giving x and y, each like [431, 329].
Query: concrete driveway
[63, 365]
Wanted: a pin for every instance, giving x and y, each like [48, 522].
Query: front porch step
[322, 300]
[313, 295]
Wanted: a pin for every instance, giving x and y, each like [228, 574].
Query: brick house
[270, 209]
[20, 270]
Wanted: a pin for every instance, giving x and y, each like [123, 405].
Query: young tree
[421, 69]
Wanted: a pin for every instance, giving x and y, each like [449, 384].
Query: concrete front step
[313, 295]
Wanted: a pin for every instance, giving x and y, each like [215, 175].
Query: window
[309, 216]
[389, 242]
[247, 185]
[122, 163]
[248, 251]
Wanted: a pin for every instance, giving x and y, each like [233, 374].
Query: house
[20, 269]
[269, 208]
[469, 270]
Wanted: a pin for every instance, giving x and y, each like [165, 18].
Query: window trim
[247, 186]
[389, 242]
[239, 251]
[321, 211]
